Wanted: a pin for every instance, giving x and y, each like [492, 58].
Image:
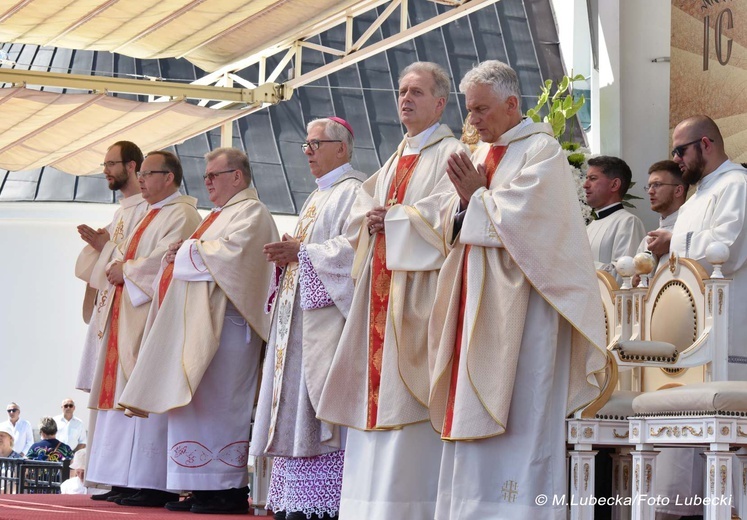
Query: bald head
[701, 126]
[697, 147]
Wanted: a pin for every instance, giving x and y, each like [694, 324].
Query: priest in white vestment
[121, 164]
[130, 452]
[378, 381]
[616, 232]
[516, 337]
[200, 361]
[315, 292]
[715, 212]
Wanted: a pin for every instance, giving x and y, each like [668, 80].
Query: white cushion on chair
[619, 407]
[730, 396]
[647, 350]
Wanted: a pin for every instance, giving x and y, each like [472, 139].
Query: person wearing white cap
[6, 444]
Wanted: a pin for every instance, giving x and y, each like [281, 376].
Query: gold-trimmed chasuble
[111, 363]
[494, 157]
[380, 285]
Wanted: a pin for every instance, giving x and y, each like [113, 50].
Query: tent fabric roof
[72, 132]
[208, 33]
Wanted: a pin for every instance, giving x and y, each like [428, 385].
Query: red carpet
[81, 507]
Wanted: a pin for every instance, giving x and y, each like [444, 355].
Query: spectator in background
[70, 429]
[23, 436]
[6, 444]
[49, 448]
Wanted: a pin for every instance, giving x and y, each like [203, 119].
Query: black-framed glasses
[68, 406]
[656, 185]
[680, 150]
[110, 164]
[314, 144]
[147, 173]
[13, 410]
[213, 175]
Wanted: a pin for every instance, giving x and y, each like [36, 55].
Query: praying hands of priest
[114, 273]
[96, 238]
[465, 177]
[170, 255]
[283, 252]
[375, 220]
[658, 242]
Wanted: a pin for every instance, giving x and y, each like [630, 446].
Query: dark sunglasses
[68, 406]
[680, 150]
[12, 410]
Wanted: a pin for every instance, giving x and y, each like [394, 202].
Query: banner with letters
[708, 72]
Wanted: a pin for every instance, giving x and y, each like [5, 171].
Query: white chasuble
[533, 335]
[285, 422]
[91, 268]
[716, 212]
[613, 236]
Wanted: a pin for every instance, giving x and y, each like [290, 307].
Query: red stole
[494, 157]
[168, 271]
[380, 282]
[109, 379]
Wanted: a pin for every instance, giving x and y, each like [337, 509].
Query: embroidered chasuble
[380, 282]
[495, 155]
[168, 271]
[109, 382]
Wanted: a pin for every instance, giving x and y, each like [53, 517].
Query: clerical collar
[162, 203]
[709, 179]
[609, 210]
[326, 181]
[415, 143]
[669, 220]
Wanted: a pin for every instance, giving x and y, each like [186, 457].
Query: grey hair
[334, 130]
[441, 81]
[498, 75]
[235, 159]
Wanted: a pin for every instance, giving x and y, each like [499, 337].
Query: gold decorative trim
[586, 476]
[619, 309]
[626, 476]
[574, 432]
[744, 480]
[637, 477]
[629, 309]
[741, 433]
[672, 262]
[723, 479]
[588, 432]
[725, 430]
[635, 432]
[637, 308]
[669, 430]
[648, 477]
[710, 301]
[619, 435]
[720, 301]
[575, 476]
[712, 478]
[710, 430]
[692, 431]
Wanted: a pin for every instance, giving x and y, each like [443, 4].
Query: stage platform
[81, 507]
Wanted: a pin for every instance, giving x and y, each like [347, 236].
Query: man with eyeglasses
[127, 453]
[616, 232]
[307, 321]
[121, 162]
[378, 380]
[199, 362]
[714, 212]
[70, 429]
[23, 434]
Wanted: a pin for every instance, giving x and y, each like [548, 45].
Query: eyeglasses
[68, 406]
[212, 175]
[110, 163]
[680, 150]
[656, 185]
[314, 144]
[13, 410]
[140, 175]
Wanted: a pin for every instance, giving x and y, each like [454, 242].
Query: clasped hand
[283, 252]
[465, 177]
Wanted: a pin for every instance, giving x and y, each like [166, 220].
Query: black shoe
[225, 502]
[123, 493]
[295, 515]
[149, 498]
[280, 515]
[114, 493]
[182, 505]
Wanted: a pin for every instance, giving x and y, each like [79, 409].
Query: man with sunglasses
[716, 211]
[70, 429]
[23, 435]
[130, 453]
[199, 362]
[121, 162]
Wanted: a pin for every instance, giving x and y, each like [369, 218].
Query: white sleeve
[137, 296]
[188, 264]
